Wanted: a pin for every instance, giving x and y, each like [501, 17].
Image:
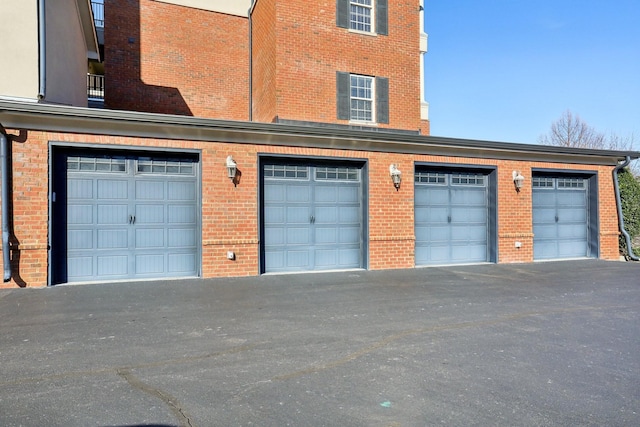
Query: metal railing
[95, 87]
[98, 13]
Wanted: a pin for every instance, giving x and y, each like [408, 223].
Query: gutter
[42, 51]
[4, 164]
[616, 187]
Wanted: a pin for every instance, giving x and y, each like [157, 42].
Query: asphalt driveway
[546, 344]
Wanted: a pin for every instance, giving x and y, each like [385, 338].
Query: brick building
[243, 138]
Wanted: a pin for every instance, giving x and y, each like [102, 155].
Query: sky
[504, 70]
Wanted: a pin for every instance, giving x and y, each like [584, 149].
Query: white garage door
[131, 218]
[312, 217]
[560, 217]
[451, 218]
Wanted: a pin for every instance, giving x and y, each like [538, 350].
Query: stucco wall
[66, 55]
[19, 49]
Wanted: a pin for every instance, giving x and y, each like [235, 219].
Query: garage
[312, 217]
[564, 216]
[124, 216]
[455, 216]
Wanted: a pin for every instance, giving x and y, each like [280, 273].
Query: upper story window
[367, 16]
[362, 98]
[360, 13]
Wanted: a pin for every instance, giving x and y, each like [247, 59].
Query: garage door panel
[349, 258]
[432, 196]
[298, 215]
[149, 238]
[181, 191]
[544, 215]
[469, 253]
[150, 264]
[113, 214]
[80, 214]
[182, 238]
[432, 214]
[469, 215]
[274, 214]
[545, 250]
[572, 198]
[546, 231]
[149, 214]
[114, 238]
[326, 258]
[298, 236]
[325, 194]
[575, 231]
[110, 189]
[469, 233]
[326, 235]
[79, 268]
[181, 214]
[79, 189]
[348, 194]
[275, 235]
[297, 259]
[544, 198]
[80, 239]
[298, 193]
[149, 190]
[573, 215]
[182, 263]
[571, 249]
[274, 193]
[326, 215]
[349, 214]
[468, 197]
[349, 234]
[112, 265]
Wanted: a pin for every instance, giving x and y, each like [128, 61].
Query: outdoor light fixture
[518, 180]
[232, 168]
[396, 175]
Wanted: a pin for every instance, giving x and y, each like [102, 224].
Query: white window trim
[372, 16]
[373, 120]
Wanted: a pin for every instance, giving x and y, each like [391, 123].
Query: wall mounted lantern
[518, 180]
[396, 175]
[232, 168]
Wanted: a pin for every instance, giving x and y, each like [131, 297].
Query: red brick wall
[170, 59]
[229, 213]
[311, 48]
[264, 61]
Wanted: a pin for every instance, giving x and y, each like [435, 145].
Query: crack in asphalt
[109, 370]
[169, 400]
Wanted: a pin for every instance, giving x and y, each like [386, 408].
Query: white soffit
[230, 7]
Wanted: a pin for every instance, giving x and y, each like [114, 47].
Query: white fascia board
[235, 7]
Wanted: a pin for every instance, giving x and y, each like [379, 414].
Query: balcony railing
[98, 13]
[95, 87]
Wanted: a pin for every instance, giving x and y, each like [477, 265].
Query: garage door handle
[449, 218]
[132, 219]
[312, 219]
[557, 218]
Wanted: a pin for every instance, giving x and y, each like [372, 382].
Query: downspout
[4, 163]
[42, 51]
[616, 187]
[250, 12]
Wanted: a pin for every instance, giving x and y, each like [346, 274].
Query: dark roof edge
[46, 117]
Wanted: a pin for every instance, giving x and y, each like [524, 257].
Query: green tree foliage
[630, 197]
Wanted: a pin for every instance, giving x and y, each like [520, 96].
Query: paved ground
[547, 344]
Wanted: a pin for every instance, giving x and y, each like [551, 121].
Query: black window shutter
[342, 13]
[382, 26]
[343, 84]
[382, 100]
